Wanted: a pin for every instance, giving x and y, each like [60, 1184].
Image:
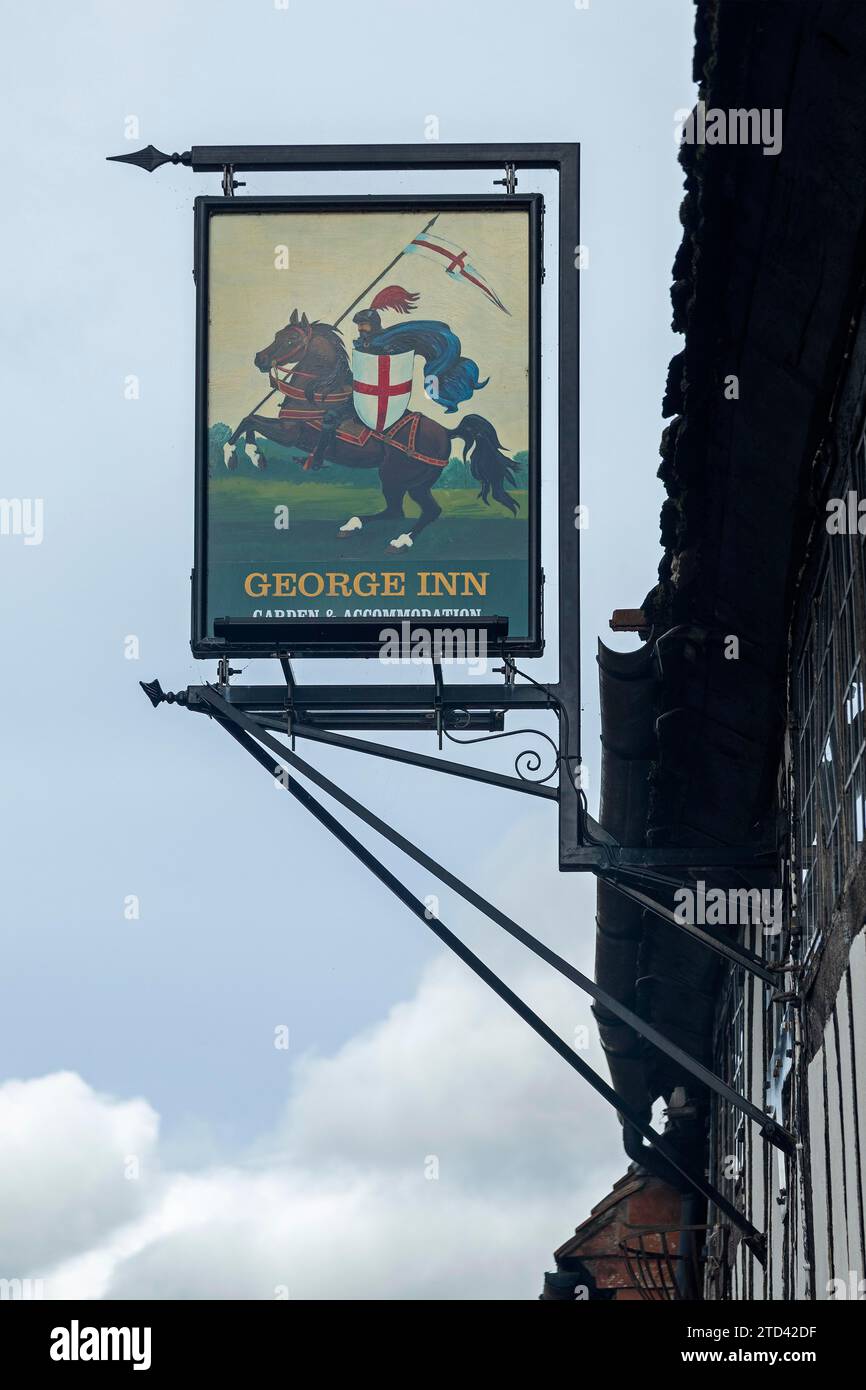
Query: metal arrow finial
[155, 694]
[150, 158]
[154, 691]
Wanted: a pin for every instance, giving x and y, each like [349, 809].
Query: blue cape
[455, 377]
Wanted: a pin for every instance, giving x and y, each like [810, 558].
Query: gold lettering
[437, 583]
[339, 584]
[304, 585]
[478, 581]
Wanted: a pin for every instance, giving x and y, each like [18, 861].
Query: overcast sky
[414, 1139]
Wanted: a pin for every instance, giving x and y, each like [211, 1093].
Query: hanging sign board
[367, 421]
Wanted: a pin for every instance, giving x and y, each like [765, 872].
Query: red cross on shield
[381, 386]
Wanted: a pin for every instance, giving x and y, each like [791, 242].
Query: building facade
[802, 1052]
[738, 725]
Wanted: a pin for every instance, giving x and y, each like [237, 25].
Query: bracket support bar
[770, 1129]
[752, 1236]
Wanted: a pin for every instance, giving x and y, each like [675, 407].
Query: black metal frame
[303, 637]
[341, 637]
[582, 844]
[490, 702]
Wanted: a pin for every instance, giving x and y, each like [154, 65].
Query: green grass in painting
[255, 499]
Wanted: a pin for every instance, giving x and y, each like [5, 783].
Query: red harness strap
[296, 393]
[408, 423]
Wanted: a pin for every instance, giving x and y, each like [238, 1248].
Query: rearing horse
[318, 390]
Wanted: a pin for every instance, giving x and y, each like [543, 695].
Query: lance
[372, 285]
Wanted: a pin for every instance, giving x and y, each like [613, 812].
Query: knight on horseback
[356, 412]
[369, 324]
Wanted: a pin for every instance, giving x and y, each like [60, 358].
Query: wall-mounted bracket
[264, 749]
[437, 698]
[229, 182]
[509, 182]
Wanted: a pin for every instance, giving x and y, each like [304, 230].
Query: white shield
[381, 386]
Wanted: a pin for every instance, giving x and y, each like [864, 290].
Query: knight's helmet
[392, 297]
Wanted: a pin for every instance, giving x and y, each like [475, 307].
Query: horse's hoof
[353, 524]
[403, 542]
[229, 458]
[231, 464]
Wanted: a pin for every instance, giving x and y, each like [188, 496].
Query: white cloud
[64, 1156]
[337, 1201]
[452, 1072]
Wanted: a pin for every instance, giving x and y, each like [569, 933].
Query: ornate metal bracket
[509, 183]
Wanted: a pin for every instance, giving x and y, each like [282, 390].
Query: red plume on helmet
[396, 298]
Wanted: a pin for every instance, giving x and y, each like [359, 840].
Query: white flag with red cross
[455, 262]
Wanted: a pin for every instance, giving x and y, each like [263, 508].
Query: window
[830, 713]
[730, 1064]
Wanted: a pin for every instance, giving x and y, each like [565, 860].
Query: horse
[318, 393]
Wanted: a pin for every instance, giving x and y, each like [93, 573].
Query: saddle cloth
[400, 435]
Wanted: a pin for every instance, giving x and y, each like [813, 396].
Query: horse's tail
[487, 463]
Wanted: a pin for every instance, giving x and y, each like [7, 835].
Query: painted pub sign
[367, 416]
